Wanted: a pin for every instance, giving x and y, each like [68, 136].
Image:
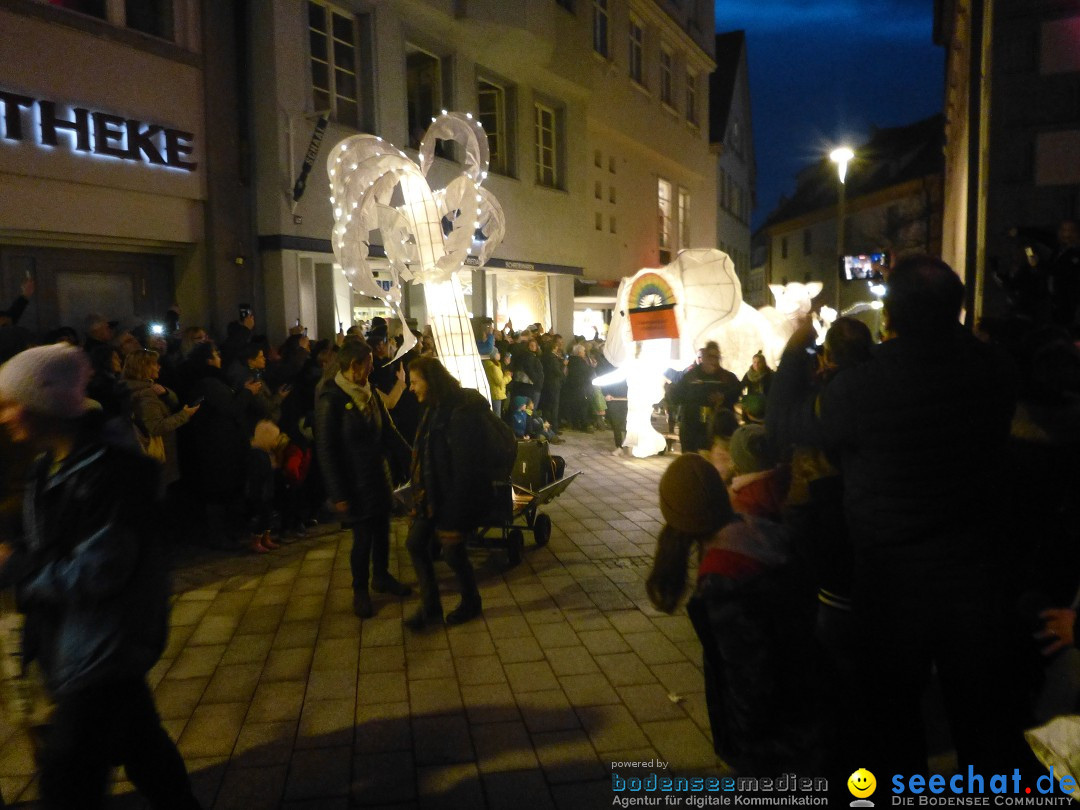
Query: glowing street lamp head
[841, 156]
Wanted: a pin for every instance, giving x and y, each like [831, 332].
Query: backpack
[500, 446]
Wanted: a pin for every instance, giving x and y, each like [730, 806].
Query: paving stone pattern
[279, 697]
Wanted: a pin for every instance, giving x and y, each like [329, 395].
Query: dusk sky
[825, 71]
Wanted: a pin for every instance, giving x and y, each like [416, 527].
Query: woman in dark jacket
[214, 446]
[451, 488]
[155, 408]
[361, 455]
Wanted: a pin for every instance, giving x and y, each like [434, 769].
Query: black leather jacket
[90, 571]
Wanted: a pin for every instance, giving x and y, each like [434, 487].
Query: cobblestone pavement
[278, 696]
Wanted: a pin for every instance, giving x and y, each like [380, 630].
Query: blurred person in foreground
[920, 430]
[90, 575]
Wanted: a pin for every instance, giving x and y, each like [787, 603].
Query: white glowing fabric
[365, 171]
[644, 388]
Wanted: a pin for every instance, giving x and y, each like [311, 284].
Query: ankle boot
[256, 544]
[268, 542]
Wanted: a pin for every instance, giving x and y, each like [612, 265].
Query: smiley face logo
[861, 783]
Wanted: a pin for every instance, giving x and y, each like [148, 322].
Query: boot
[469, 608]
[361, 605]
[387, 583]
[256, 544]
[423, 619]
[267, 541]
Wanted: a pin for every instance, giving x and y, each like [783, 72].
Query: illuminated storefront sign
[93, 132]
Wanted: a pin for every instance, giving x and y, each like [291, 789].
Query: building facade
[731, 134]
[1013, 131]
[892, 204]
[595, 113]
[104, 161]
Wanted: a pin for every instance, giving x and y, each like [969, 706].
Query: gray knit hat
[49, 380]
[750, 450]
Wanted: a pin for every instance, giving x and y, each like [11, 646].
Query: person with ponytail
[753, 610]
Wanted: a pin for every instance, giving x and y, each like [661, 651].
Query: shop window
[495, 103]
[332, 40]
[667, 81]
[637, 51]
[549, 163]
[664, 223]
[600, 27]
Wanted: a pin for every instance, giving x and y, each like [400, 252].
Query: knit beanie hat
[49, 380]
[753, 407]
[750, 450]
[693, 499]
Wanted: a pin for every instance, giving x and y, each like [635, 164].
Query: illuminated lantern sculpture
[427, 235]
[696, 298]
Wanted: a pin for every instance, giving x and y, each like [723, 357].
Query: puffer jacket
[90, 571]
[450, 483]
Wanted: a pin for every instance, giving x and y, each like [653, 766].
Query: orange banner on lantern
[653, 323]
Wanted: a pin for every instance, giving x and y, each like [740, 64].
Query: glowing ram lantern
[365, 172]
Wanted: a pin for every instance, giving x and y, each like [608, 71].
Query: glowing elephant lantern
[649, 298]
[427, 236]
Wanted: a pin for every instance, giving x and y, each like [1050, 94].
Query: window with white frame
[547, 145]
[600, 27]
[664, 218]
[691, 98]
[684, 217]
[667, 81]
[637, 50]
[493, 101]
[332, 41]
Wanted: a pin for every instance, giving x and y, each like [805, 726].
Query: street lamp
[841, 156]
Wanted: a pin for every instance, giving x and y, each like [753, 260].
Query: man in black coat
[361, 456]
[920, 430]
[703, 388]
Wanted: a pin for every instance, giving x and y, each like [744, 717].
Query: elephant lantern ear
[814, 288]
